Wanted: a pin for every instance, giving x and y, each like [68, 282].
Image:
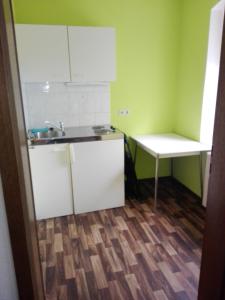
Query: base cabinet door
[51, 178]
[97, 175]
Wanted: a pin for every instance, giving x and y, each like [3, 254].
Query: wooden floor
[126, 253]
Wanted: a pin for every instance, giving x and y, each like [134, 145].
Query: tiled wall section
[75, 105]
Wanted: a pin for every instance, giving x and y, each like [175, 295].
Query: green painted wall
[195, 16]
[147, 49]
[161, 53]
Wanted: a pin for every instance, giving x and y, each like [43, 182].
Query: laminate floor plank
[127, 253]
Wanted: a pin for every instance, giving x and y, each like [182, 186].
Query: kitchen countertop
[81, 134]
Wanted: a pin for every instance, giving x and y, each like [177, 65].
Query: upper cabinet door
[92, 54]
[43, 53]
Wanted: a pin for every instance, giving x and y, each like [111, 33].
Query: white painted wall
[8, 287]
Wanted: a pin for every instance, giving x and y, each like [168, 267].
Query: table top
[170, 145]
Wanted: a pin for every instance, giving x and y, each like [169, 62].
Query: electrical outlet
[124, 112]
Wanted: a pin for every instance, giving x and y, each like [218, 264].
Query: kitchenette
[76, 156]
[107, 121]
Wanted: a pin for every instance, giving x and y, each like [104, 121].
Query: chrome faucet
[60, 127]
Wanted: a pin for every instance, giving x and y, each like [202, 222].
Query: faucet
[60, 127]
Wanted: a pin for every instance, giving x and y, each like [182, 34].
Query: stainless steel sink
[74, 135]
[48, 135]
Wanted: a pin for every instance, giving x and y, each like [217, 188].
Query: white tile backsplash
[102, 118]
[75, 105]
[87, 119]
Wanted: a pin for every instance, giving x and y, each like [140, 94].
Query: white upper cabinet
[65, 54]
[92, 54]
[43, 53]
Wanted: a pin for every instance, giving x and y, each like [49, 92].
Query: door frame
[212, 275]
[17, 187]
[14, 166]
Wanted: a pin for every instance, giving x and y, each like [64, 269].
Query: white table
[169, 145]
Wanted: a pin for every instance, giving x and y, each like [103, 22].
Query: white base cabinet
[77, 178]
[98, 175]
[51, 178]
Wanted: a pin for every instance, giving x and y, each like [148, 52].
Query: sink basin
[50, 134]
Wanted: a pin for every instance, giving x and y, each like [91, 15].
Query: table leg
[201, 175]
[156, 181]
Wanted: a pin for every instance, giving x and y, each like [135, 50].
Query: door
[43, 53]
[14, 165]
[98, 175]
[51, 178]
[92, 53]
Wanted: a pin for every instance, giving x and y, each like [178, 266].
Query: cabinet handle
[72, 155]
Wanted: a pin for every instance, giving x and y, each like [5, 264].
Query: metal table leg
[201, 174]
[156, 181]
